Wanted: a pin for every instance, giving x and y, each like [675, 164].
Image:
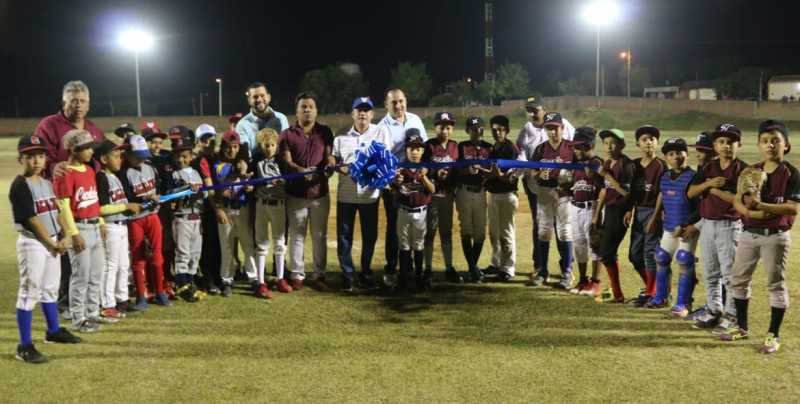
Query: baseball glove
[751, 181]
[595, 238]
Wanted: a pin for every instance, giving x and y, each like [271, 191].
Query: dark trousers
[643, 244]
[391, 246]
[63, 286]
[345, 221]
[565, 263]
[210, 254]
[613, 233]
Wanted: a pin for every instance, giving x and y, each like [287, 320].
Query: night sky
[43, 44]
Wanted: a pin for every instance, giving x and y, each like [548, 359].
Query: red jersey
[782, 185]
[545, 153]
[468, 151]
[622, 171]
[647, 182]
[437, 153]
[585, 188]
[713, 207]
[81, 188]
[412, 191]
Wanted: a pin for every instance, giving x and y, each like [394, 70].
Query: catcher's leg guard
[686, 280]
[664, 262]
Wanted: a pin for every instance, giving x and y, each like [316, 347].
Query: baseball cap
[674, 143]
[138, 146]
[106, 146]
[203, 130]
[443, 118]
[235, 117]
[774, 124]
[534, 101]
[474, 122]
[727, 129]
[413, 137]
[647, 130]
[362, 101]
[704, 141]
[150, 125]
[182, 144]
[231, 137]
[616, 133]
[77, 138]
[31, 142]
[553, 119]
[584, 134]
[124, 129]
[180, 132]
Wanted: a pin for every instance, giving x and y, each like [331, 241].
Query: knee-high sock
[741, 312]
[24, 324]
[279, 263]
[544, 255]
[565, 253]
[466, 246]
[139, 278]
[775, 320]
[419, 257]
[650, 287]
[642, 274]
[477, 247]
[50, 311]
[613, 277]
[260, 270]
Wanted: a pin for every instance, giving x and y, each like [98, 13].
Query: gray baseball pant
[718, 241]
[87, 269]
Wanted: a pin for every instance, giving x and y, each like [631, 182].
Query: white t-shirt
[344, 149]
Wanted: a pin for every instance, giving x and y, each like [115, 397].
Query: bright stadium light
[136, 41]
[600, 13]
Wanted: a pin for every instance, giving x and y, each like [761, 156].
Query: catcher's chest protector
[673, 197]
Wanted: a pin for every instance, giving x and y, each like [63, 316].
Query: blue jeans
[345, 221]
[562, 246]
[391, 242]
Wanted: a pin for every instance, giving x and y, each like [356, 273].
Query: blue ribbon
[374, 168]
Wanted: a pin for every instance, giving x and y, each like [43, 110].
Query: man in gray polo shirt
[261, 116]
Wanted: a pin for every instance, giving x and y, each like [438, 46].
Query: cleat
[227, 290]
[771, 344]
[282, 286]
[451, 275]
[502, 277]
[113, 313]
[476, 276]
[62, 336]
[213, 290]
[564, 283]
[346, 286]
[708, 321]
[696, 314]
[580, 286]
[263, 292]
[491, 270]
[367, 284]
[593, 289]
[141, 304]
[640, 300]
[390, 279]
[653, 303]
[296, 284]
[29, 354]
[102, 320]
[320, 284]
[163, 300]
[726, 322]
[678, 312]
[87, 327]
[734, 333]
[536, 281]
[606, 296]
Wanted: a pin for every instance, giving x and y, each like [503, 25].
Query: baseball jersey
[469, 151]
[435, 152]
[204, 163]
[782, 185]
[263, 167]
[183, 178]
[81, 188]
[586, 189]
[412, 191]
[545, 153]
[713, 207]
[344, 149]
[111, 192]
[622, 171]
[31, 199]
[507, 151]
[160, 163]
[647, 182]
[239, 198]
[307, 150]
[139, 182]
[530, 137]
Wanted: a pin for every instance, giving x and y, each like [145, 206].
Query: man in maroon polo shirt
[75, 106]
[307, 146]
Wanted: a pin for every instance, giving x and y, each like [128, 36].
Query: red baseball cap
[231, 137]
[235, 118]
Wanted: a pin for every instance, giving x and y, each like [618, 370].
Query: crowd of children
[112, 225]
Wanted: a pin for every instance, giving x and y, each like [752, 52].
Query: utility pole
[489, 74]
[201, 103]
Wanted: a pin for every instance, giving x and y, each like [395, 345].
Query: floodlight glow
[136, 41]
[601, 12]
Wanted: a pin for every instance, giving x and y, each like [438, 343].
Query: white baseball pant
[502, 230]
[472, 214]
[270, 216]
[411, 229]
[439, 217]
[238, 225]
[39, 273]
[87, 269]
[581, 219]
[301, 211]
[672, 244]
[188, 244]
[114, 280]
[718, 241]
[550, 206]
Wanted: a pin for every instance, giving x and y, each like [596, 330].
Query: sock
[477, 247]
[260, 269]
[466, 246]
[595, 280]
[642, 274]
[138, 277]
[405, 262]
[775, 319]
[50, 311]
[544, 256]
[741, 311]
[650, 287]
[613, 277]
[158, 277]
[565, 251]
[24, 324]
[584, 279]
[419, 256]
[279, 263]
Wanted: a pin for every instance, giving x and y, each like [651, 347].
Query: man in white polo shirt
[396, 122]
[352, 198]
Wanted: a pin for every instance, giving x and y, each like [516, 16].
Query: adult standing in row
[261, 116]
[396, 122]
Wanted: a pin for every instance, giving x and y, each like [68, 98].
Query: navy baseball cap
[584, 134]
[647, 130]
[474, 122]
[362, 101]
[414, 137]
[674, 143]
[124, 129]
[107, 146]
[727, 129]
[180, 132]
[704, 141]
[182, 144]
[553, 119]
[534, 101]
[445, 118]
[31, 142]
[774, 124]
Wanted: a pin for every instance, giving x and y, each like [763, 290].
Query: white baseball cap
[138, 146]
[203, 130]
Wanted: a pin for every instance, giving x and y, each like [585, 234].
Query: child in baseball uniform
[186, 214]
[647, 173]
[162, 161]
[614, 203]
[585, 191]
[270, 211]
[720, 226]
[440, 211]
[767, 215]
[79, 205]
[680, 236]
[115, 210]
[413, 190]
[471, 196]
[41, 240]
[204, 164]
[142, 185]
[553, 202]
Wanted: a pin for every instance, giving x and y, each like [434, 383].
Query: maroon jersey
[412, 191]
[545, 153]
[585, 188]
[622, 171]
[468, 151]
[435, 152]
[646, 183]
[81, 188]
[782, 185]
[713, 207]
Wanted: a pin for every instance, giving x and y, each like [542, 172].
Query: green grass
[488, 343]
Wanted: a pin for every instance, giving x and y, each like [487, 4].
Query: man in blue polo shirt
[261, 116]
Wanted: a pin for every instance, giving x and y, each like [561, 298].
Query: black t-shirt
[507, 151]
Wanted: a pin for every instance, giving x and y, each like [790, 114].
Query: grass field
[470, 343]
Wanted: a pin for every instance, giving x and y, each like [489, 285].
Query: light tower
[489, 74]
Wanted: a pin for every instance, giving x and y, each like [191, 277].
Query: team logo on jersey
[116, 195]
[86, 197]
[45, 205]
[145, 187]
[410, 187]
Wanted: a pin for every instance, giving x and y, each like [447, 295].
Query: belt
[271, 202]
[769, 231]
[191, 216]
[413, 210]
[471, 188]
[87, 221]
[118, 222]
[582, 205]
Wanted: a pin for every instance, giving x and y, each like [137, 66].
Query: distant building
[779, 87]
[349, 68]
[698, 90]
[661, 92]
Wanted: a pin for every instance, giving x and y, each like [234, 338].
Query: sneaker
[451, 275]
[606, 296]
[707, 321]
[734, 333]
[296, 284]
[66, 315]
[141, 304]
[592, 290]
[188, 293]
[390, 279]
[725, 324]
[580, 286]
[62, 336]
[263, 292]
[564, 283]
[476, 276]
[696, 314]
[112, 313]
[320, 284]
[346, 286]
[640, 300]
[125, 307]
[163, 300]
[169, 291]
[29, 354]
[86, 327]
[213, 290]
[427, 281]
[367, 284]
[102, 320]
[536, 281]
[491, 270]
[227, 290]
[678, 312]
[655, 304]
[771, 344]
[502, 277]
[282, 286]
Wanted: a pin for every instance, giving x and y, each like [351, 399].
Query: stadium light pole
[627, 55]
[599, 14]
[136, 41]
[219, 82]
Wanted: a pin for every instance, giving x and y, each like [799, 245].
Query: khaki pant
[440, 217]
[502, 230]
[301, 211]
[773, 250]
[471, 208]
